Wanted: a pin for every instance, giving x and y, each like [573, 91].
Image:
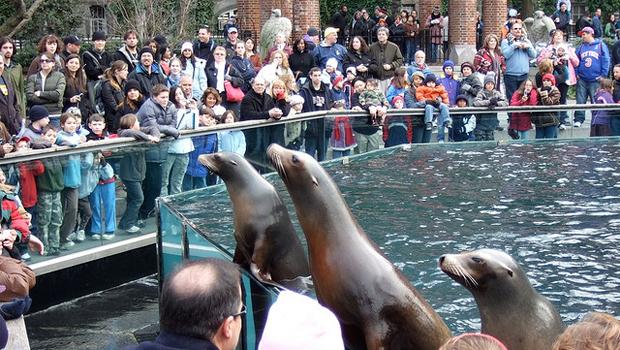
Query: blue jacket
[593, 61]
[392, 91]
[231, 141]
[517, 60]
[70, 164]
[322, 53]
[202, 145]
[452, 86]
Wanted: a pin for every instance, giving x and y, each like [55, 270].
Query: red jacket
[424, 92]
[522, 121]
[14, 220]
[27, 173]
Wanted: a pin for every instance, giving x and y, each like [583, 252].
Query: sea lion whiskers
[459, 271]
[276, 160]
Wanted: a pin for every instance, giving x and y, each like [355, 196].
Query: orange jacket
[424, 93]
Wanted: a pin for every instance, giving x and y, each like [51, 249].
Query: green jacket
[52, 179]
[51, 93]
[16, 77]
[381, 54]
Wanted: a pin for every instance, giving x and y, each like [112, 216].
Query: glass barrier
[104, 192]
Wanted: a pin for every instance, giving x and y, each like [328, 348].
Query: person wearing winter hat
[489, 97]
[463, 125]
[96, 60]
[147, 73]
[131, 103]
[547, 122]
[292, 131]
[448, 82]
[337, 85]
[470, 84]
[436, 98]
[396, 130]
[298, 322]
[194, 67]
[39, 119]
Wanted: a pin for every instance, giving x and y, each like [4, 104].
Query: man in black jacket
[317, 97]
[128, 53]
[340, 20]
[95, 59]
[147, 73]
[204, 45]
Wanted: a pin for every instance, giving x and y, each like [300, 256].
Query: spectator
[473, 341]
[521, 122]
[512, 19]
[451, 85]
[243, 65]
[411, 27]
[479, 30]
[584, 21]
[488, 97]
[547, 122]
[312, 38]
[385, 57]
[195, 68]
[147, 73]
[463, 125]
[219, 72]
[96, 59]
[301, 61]
[615, 117]
[597, 25]
[204, 44]
[470, 84]
[419, 134]
[398, 86]
[281, 44]
[39, 119]
[16, 276]
[133, 170]
[76, 86]
[51, 45]
[72, 46]
[231, 41]
[561, 17]
[46, 87]
[596, 330]
[128, 53]
[329, 48]
[518, 51]
[9, 104]
[434, 23]
[610, 28]
[317, 97]
[276, 69]
[14, 72]
[397, 33]
[196, 175]
[174, 78]
[358, 57]
[112, 92]
[436, 98]
[363, 27]
[396, 129]
[600, 124]
[419, 65]
[132, 101]
[339, 21]
[164, 63]
[250, 53]
[231, 140]
[490, 59]
[593, 66]
[200, 314]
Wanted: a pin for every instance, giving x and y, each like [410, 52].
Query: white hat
[187, 46]
[298, 322]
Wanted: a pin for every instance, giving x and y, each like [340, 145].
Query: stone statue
[274, 25]
[538, 28]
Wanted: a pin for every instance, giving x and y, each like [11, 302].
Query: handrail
[121, 142]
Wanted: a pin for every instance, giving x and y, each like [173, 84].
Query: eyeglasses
[46, 61]
[243, 311]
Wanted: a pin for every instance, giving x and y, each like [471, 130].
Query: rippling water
[555, 207]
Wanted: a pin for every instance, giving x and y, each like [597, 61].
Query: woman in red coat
[526, 95]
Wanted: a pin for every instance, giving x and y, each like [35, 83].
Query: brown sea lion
[376, 305]
[267, 244]
[510, 309]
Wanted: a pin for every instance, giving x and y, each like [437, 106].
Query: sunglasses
[46, 61]
[243, 311]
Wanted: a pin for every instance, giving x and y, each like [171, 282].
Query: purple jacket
[602, 117]
[452, 86]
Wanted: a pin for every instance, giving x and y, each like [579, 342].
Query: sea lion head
[295, 168]
[222, 164]
[480, 270]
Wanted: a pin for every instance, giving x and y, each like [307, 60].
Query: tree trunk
[21, 16]
[529, 6]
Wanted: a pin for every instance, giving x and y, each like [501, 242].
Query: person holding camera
[517, 51]
[547, 122]
[521, 122]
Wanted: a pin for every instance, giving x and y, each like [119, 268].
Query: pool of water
[554, 206]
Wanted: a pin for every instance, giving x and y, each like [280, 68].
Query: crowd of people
[70, 96]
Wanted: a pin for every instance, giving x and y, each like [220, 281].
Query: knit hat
[38, 112]
[144, 50]
[312, 31]
[338, 78]
[352, 70]
[187, 46]
[467, 64]
[418, 74]
[397, 98]
[132, 84]
[462, 97]
[99, 35]
[549, 77]
[295, 100]
[430, 77]
[447, 63]
[489, 78]
[298, 322]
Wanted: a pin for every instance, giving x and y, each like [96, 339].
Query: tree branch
[22, 16]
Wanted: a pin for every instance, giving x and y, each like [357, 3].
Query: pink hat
[397, 98]
[298, 322]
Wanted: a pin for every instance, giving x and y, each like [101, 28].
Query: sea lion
[510, 309]
[267, 244]
[376, 305]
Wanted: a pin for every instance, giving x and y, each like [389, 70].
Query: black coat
[95, 63]
[354, 59]
[301, 63]
[255, 106]
[111, 99]
[9, 107]
[235, 77]
[146, 80]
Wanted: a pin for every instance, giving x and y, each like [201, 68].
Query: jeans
[563, 95]
[547, 132]
[135, 197]
[584, 90]
[194, 182]
[173, 172]
[434, 52]
[340, 154]
[421, 135]
[103, 203]
[410, 46]
[522, 135]
[512, 83]
[444, 116]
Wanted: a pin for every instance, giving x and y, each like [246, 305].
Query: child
[230, 140]
[49, 205]
[463, 125]
[397, 128]
[196, 174]
[330, 72]
[451, 85]
[436, 98]
[102, 200]
[373, 100]
[347, 87]
[12, 222]
[521, 122]
[342, 140]
[470, 84]
[600, 125]
[615, 116]
[72, 178]
[411, 100]
[491, 98]
[39, 119]
[133, 170]
[337, 88]
[293, 130]
[547, 122]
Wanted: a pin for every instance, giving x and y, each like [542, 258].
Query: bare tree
[22, 15]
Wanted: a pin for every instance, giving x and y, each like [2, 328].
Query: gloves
[465, 87]
[493, 101]
[544, 93]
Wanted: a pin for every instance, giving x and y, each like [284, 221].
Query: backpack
[94, 90]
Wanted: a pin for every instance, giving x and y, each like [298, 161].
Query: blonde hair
[545, 66]
[284, 58]
[596, 331]
[473, 341]
[279, 83]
